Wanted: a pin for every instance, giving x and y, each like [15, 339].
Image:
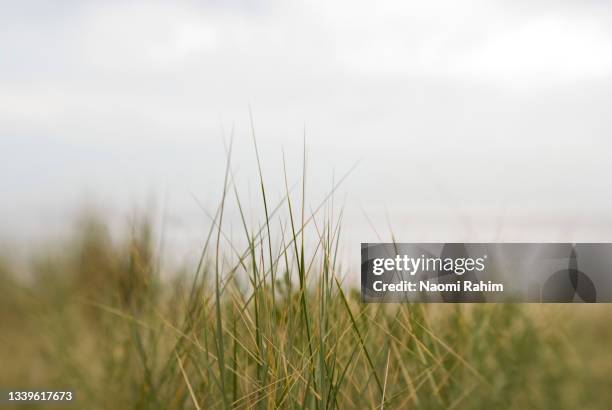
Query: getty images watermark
[486, 272]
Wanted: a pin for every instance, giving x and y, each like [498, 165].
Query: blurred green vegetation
[97, 317]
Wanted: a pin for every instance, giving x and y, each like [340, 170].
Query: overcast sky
[472, 120]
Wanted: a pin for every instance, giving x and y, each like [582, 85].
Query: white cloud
[400, 83]
[545, 51]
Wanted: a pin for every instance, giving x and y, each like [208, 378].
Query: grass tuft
[273, 326]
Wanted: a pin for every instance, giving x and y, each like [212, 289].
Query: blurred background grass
[96, 316]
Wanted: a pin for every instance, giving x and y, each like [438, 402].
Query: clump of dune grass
[273, 325]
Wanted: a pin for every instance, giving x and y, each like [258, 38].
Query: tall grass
[273, 325]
